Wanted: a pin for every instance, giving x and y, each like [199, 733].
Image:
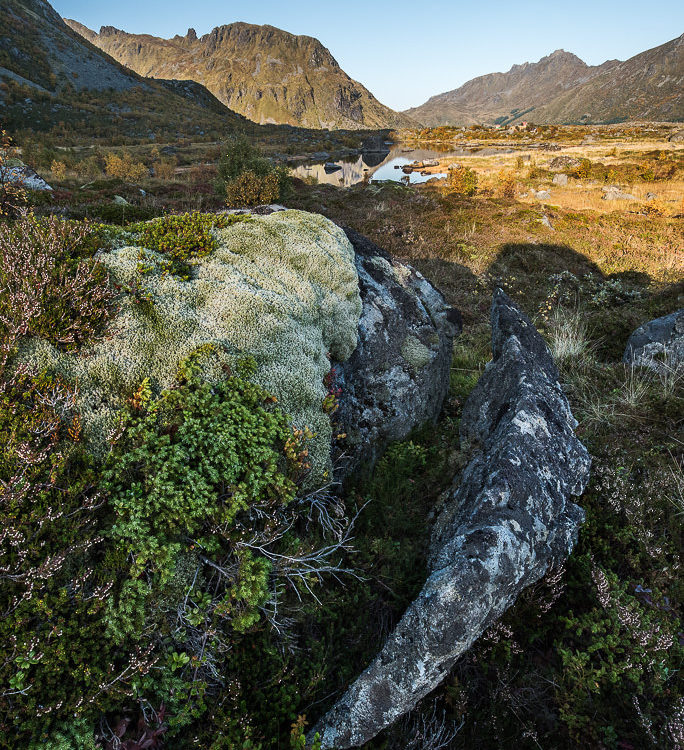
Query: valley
[325, 425]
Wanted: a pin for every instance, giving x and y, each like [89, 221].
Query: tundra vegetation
[160, 591]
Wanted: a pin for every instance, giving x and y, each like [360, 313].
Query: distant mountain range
[561, 88]
[264, 73]
[52, 77]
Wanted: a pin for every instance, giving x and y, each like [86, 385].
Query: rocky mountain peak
[262, 72]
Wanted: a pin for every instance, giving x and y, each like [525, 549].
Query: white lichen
[282, 289]
[416, 353]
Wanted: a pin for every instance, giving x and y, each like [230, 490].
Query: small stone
[658, 344]
[560, 179]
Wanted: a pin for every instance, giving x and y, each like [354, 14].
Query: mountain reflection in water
[356, 171]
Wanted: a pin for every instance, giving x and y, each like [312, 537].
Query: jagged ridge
[562, 88]
[266, 74]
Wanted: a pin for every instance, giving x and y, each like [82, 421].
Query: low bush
[462, 181]
[251, 190]
[184, 237]
[49, 285]
[123, 167]
[247, 178]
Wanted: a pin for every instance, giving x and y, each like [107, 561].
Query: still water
[355, 171]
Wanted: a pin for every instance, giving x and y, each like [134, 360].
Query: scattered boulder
[547, 222]
[398, 376]
[651, 196]
[658, 343]
[506, 523]
[331, 167]
[560, 179]
[677, 137]
[562, 163]
[120, 201]
[541, 195]
[613, 193]
[26, 177]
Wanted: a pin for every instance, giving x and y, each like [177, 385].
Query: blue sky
[405, 52]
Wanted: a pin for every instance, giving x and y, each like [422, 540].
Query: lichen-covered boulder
[282, 289]
[506, 522]
[658, 343]
[398, 376]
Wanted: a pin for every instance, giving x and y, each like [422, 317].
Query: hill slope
[648, 86]
[266, 74]
[562, 88]
[51, 78]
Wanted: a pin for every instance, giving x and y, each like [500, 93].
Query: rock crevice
[506, 522]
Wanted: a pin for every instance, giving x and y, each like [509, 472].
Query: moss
[281, 288]
[415, 353]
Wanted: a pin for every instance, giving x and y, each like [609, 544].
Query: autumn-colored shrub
[58, 169]
[247, 178]
[164, 170]
[461, 180]
[507, 183]
[124, 167]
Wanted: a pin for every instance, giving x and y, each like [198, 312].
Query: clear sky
[405, 52]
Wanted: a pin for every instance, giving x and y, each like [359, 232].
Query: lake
[355, 171]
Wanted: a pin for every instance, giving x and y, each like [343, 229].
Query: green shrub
[247, 178]
[52, 600]
[184, 237]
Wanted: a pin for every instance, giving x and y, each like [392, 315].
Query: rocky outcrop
[658, 343]
[398, 376]
[506, 522]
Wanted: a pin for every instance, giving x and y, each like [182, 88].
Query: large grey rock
[25, 177]
[613, 193]
[398, 376]
[505, 524]
[560, 179]
[658, 343]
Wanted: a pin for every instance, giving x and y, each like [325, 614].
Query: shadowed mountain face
[51, 74]
[561, 88]
[268, 75]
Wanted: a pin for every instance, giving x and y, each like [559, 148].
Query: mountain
[561, 88]
[51, 78]
[504, 97]
[264, 73]
[648, 86]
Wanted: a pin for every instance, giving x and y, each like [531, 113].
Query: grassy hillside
[53, 80]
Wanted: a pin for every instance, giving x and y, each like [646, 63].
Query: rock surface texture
[658, 343]
[398, 376]
[504, 525]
